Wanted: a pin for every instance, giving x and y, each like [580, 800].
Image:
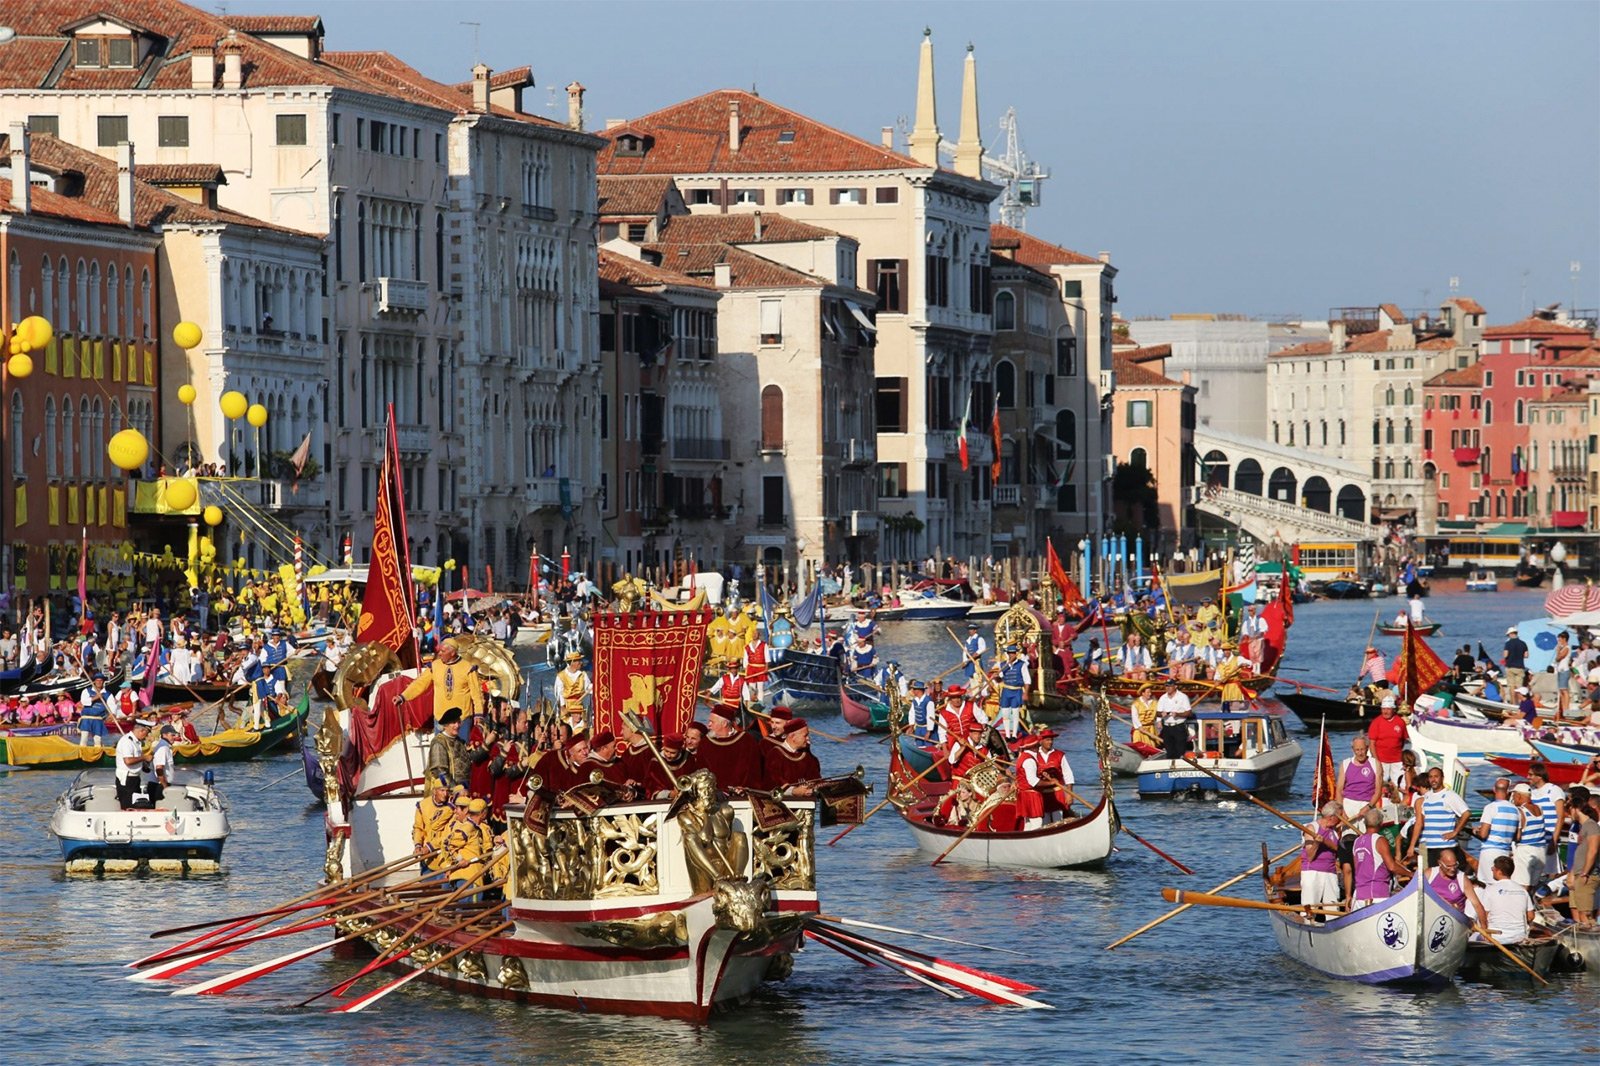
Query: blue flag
[805, 612]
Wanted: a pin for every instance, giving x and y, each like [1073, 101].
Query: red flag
[1276, 636]
[1071, 595]
[1327, 779]
[389, 605]
[994, 428]
[1417, 668]
[961, 434]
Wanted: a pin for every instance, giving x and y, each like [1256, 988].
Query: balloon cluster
[30, 335]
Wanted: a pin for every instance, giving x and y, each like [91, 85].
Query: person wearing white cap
[1387, 734]
[162, 764]
[131, 762]
[1515, 660]
[1529, 850]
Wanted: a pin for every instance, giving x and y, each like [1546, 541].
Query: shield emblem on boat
[1440, 933]
[1393, 929]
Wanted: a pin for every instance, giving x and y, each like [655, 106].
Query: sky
[1258, 158]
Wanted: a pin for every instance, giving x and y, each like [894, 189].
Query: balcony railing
[402, 295]
[417, 439]
[863, 523]
[1466, 456]
[1569, 471]
[1008, 495]
[704, 449]
[860, 451]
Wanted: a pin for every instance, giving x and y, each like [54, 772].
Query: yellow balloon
[35, 329]
[128, 449]
[212, 515]
[256, 415]
[186, 335]
[20, 366]
[233, 404]
[186, 394]
[181, 494]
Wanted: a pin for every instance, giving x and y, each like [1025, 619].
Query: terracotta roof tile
[1468, 305]
[307, 24]
[1031, 251]
[1470, 376]
[1367, 343]
[633, 196]
[500, 79]
[1312, 348]
[1131, 375]
[54, 205]
[747, 270]
[741, 229]
[1532, 326]
[180, 173]
[1394, 312]
[622, 270]
[390, 73]
[1149, 354]
[692, 138]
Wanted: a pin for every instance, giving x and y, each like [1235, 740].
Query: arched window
[1488, 412]
[113, 317]
[86, 448]
[1388, 431]
[127, 302]
[1520, 413]
[51, 466]
[338, 238]
[1377, 431]
[1005, 384]
[144, 304]
[99, 434]
[1137, 459]
[1341, 431]
[1291, 433]
[772, 418]
[47, 289]
[1388, 396]
[18, 452]
[1410, 471]
[1005, 310]
[16, 286]
[1324, 426]
[81, 310]
[1388, 468]
[438, 250]
[361, 240]
[63, 319]
[94, 299]
[1411, 396]
[68, 441]
[1276, 434]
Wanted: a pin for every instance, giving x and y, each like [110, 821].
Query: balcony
[544, 492]
[1570, 471]
[1008, 495]
[863, 523]
[1466, 456]
[418, 440]
[285, 494]
[700, 449]
[401, 296]
[860, 451]
[1047, 497]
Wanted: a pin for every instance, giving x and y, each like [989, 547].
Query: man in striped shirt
[1552, 801]
[1441, 815]
[1498, 827]
[1534, 841]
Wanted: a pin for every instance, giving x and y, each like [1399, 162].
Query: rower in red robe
[603, 759]
[790, 760]
[733, 755]
[957, 722]
[560, 769]
[639, 764]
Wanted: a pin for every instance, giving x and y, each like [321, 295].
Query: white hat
[1512, 631]
[144, 722]
[1388, 701]
[1522, 690]
[1524, 787]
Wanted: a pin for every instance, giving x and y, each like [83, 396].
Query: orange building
[1152, 429]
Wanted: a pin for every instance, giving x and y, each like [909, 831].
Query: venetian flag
[389, 606]
[994, 431]
[1071, 595]
[1418, 667]
[961, 435]
[1326, 782]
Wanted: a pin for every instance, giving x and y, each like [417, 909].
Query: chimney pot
[733, 125]
[758, 225]
[886, 136]
[232, 62]
[722, 274]
[203, 68]
[1105, 257]
[21, 187]
[480, 87]
[575, 105]
[125, 183]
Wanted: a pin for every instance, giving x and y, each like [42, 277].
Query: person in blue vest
[924, 712]
[277, 649]
[96, 707]
[1013, 676]
[863, 658]
[864, 626]
[976, 648]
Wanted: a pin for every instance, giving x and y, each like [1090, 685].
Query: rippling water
[1208, 986]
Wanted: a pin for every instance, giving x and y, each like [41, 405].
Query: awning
[1385, 513]
[861, 317]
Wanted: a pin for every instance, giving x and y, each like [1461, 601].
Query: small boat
[1125, 759]
[1489, 965]
[11, 680]
[231, 745]
[1415, 937]
[915, 754]
[1123, 689]
[1585, 944]
[316, 780]
[1529, 576]
[1339, 714]
[1079, 841]
[1565, 754]
[863, 707]
[803, 681]
[1483, 581]
[925, 607]
[1564, 774]
[1473, 740]
[1345, 589]
[184, 833]
[1422, 629]
[1249, 749]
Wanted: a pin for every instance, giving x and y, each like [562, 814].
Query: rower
[1319, 860]
[574, 686]
[1253, 634]
[755, 669]
[835, 646]
[433, 816]
[956, 721]
[92, 718]
[864, 626]
[1452, 884]
[1145, 712]
[1181, 655]
[1509, 907]
[1030, 800]
[1367, 879]
[1499, 826]
[729, 689]
[924, 713]
[1133, 658]
[975, 647]
[1228, 674]
[1054, 770]
[863, 657]
[1014, 678]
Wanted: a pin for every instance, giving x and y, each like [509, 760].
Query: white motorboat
[182, 832]
[1250, 749]
[1472, 739]
[1413, 937]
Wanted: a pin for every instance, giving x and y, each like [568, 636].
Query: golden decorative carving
[602, 855]
[329, 743]
[625, 845]
[666, 929]
[470, 966]
[714, 848]
[494, 661]
[361, 666]
[333, 859]
[629, 592]
[512, 974]
[786, 855]
[741, 905]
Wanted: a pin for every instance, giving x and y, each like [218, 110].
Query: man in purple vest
[1372, 864]
[1319, 861]
[1358, 780]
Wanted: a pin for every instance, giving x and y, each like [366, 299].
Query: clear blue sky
[1251, 157]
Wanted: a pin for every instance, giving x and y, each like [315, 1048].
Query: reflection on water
[1207, 986]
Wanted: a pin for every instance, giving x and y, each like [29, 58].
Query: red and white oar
[361, 1003]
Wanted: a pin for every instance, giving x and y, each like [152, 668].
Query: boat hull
[805, 683]
[1563, 774]
[1564, 754]
[1472, 740]
[862, 710]
[1076, 842]
[1412, 938]
[1486, 963]
[1338, 714]
[1422, 631]
[1268, 773]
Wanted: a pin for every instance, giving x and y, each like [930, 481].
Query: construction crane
[1020, 178]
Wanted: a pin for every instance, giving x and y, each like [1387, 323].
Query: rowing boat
[804, 682]
[1487, 963]
[1473, 740]
[1415, 937]
[1338, 714]
[862, 708]
[1069, 842]
[231, 745]
[1564, 774]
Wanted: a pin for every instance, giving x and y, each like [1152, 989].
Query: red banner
[648, 662]
[1071, 594]
[389, 606]
[1276, 617]
[1326, 782]
[1417, 668]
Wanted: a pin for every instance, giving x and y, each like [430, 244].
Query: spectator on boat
[1440, 816]
[789, 762]
[1388, 736]
[1133, 658]
[1359, 778]
[131, 762]
[1464, 664]
[1453, 885]
[863, 657]
[1526, 707]
[1145, 713]
[162, 763]
[732, 754]
[1515, 661]
[1373, 668]
[755, 669]
[1534, 841]
[1499, 827]
[1319, 873]
[1175, 712]
[1094, 660]
[1509, 907]
[1211, 655]
[1583, 873]
[1561, 663]
[1373, 867]
[8, 649]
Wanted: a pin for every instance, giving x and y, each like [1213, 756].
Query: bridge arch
[1216, 467]
[1351, 503]
[1282, 484]
[1317, 495]
[1247, 477]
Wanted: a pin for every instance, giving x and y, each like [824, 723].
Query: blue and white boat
[1415, 937]
[183, 832]
[804, 682]
[1249, 749]
[925, 607]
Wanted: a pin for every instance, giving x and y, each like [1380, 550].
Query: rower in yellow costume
[720, 635]
[1229, 671]
[471, 841]
[433, 819]
[573, 685]
[1144, 712]
[455, 684]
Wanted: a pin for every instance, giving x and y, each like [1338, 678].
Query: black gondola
[1339, 714]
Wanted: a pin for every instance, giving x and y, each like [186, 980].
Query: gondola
[1426, 629]
[804, 682]
[231, 745]
[1338, 714]
[1529, 576]
[863, 707]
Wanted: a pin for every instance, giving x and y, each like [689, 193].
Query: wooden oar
[1218, 888]
[299, 925]
[989, 986]
[1263, 804]
[280, 780]
[946, 852]
[912, 932]
[884, 804]
[1370, 634]
[1488, 938]
[828, 941]
[372, 997]
[1123, 826]
[1206, 899]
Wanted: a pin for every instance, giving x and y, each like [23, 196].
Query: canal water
[1209, 986]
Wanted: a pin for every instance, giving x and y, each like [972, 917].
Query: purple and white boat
[1415, 937]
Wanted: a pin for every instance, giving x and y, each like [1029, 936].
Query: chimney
[969, 149]
[1105, 257]
[480, 87]
[924, 142]
[125, 183]
[733, 125]
[232, 50]
[886, 136]
[575, 106]
[21, 188]
[203, 67]
[722, 274]
[758, 226]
